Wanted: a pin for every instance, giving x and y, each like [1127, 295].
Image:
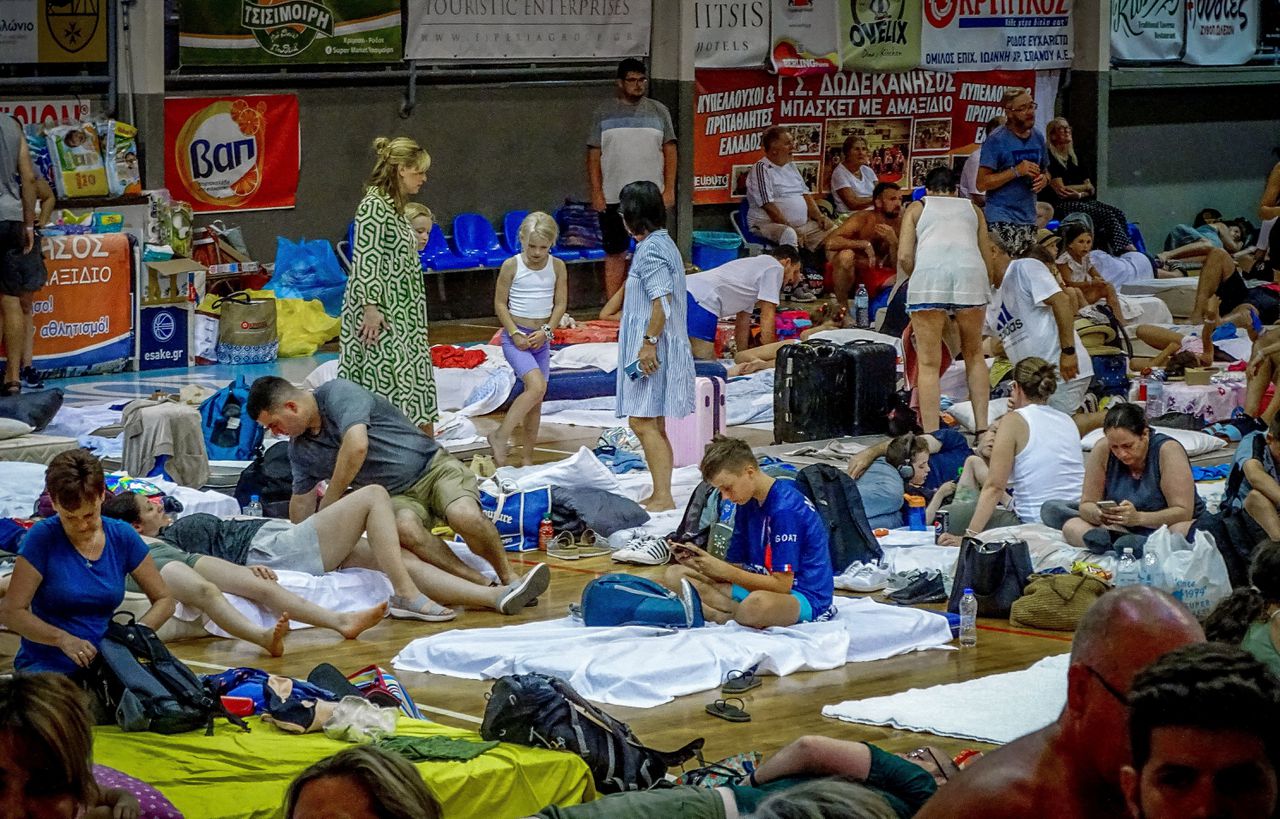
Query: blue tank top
[1143, 492]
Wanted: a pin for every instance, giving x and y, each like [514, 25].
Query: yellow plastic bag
[303, 325]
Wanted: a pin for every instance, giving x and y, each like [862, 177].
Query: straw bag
[1055, 601]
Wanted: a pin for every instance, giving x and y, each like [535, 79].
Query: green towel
[423, 749]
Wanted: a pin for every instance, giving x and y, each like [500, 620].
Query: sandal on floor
[419, 608]
[725, 710]
[740, 682]
[592, 545]
[11, 388]
[564, 547]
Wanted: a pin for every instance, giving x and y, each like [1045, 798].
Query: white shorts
[1069, 395]
[282, 545]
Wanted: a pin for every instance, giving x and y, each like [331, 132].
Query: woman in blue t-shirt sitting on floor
[70, 574]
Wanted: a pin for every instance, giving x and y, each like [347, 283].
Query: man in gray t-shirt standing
[18, 269]
[350, 437]
[631, 140]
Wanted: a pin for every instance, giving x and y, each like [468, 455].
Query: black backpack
[146, 688]
[270, 477]
[545, 712]
[839, 503]
[694, 528]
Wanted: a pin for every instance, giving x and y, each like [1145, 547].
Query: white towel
[998, 708]
[642, 667]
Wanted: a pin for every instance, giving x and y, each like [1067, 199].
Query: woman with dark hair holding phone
[655, 362]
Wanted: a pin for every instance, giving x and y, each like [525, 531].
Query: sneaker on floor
[622, 538]
[528, 588]
[863, 577]
[803, 293]
[419, 608]
[31, 379]
[648, 550]
[928, 588]
[900, 580]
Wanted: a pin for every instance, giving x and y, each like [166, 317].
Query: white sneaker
[622, 538]
[803, 293]
[863, 577]
[647, 550]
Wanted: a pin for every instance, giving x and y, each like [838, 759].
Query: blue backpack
[229, 433]
[628, 600]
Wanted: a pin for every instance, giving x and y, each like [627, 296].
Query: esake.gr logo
[162, 327]
[219, 154]
[285, 28]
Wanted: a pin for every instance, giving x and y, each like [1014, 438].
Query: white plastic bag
[1195, 573]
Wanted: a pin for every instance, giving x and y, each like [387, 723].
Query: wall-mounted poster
[1148, 31]
[1221, 33]
[967, 35]
[53, 31]
[880, 35]
[733, 34]
[806, 37]
[288, 32]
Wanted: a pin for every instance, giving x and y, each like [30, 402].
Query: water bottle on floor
[862, 307]
[1127, 569]
[1149, 571]
[968, 620]
[254, 509]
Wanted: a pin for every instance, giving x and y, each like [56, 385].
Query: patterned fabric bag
[725, 772]
[383, 689]
[246, 329]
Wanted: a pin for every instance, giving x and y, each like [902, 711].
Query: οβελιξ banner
[732, 34]
[288, 32]
[912, 121]
[232, 153]
[521, 30]
[49, 31]
[1147, 30]
[980, 35]
[880, 35]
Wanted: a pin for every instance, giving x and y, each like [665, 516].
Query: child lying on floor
[777, 570]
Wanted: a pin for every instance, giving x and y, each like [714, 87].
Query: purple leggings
[523, 361]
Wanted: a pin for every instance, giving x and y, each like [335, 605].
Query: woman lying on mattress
[1140, 481]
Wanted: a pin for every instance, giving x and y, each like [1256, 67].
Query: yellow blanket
[234, 774]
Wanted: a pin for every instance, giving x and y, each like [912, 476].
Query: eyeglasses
[636, 80]
[1120, 696]
[1026, 106]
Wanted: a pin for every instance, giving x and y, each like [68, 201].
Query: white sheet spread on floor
[998, 708]
[642, 667]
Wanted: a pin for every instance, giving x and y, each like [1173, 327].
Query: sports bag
[146, 688]
[246, 329]
[629, 600]
[997, 573]
[270, 477]
[541, 711]
[694, 527]
[229, 433]
[839, 503]
[517, 516]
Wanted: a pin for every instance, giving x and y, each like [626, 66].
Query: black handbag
[997, 573]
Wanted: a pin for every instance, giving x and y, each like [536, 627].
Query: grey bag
[577, 508]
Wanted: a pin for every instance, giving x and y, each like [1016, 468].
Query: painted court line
[559, 566]
[1021, 633]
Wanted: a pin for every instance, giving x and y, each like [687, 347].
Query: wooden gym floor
[782, 709]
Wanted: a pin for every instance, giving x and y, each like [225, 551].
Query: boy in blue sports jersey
[777, 570]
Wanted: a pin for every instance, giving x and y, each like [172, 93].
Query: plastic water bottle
[862, 307]
[1149, 571]
[1155, 397]
[1127, 569]
[968, 620]
[254, 509]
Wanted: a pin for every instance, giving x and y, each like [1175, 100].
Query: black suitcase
[825, 390]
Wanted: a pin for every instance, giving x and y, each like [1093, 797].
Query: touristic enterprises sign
[732, 34]
[53, 31]
[288, 32]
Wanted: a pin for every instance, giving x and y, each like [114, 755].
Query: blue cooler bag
[517, 516]
[628, 600]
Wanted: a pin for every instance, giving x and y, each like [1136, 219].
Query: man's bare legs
[652, 433]
[15, 331]
[466, 518]
[842, 275]
[421, 543]
[1263, 512]
[341, 526]
[438, 584]
[1218, 266]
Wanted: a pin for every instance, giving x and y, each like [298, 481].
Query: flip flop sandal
[740, 682]
[11, 388]
[564, 547]
[592, 545]
[725, 710]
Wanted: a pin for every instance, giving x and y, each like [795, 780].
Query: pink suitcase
[690, 435]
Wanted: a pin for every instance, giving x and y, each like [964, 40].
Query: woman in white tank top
[529, 300]
[944, 250]
[1037, 455]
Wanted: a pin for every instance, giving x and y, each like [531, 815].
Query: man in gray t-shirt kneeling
[350, 437]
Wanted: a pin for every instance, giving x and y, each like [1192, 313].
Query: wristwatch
[1070, 349]
[651, 340]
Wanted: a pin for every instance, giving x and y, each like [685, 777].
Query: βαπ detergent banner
[232, 153]
[912, 121]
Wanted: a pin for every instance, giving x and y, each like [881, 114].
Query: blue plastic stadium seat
[739, 219]
[439, 256]
[1135, 237]
[476, 239]
[511, 230]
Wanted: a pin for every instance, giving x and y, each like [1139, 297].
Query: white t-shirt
[1020, 317]
[780, 184]
[842, 178]
[969, 176]
[736, 286]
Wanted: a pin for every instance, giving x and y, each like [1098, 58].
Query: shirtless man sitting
[864, 249]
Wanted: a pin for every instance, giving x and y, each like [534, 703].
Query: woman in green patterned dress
[384, 346]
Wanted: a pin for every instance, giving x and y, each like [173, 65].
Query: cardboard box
[1199, 377]
[166, 282]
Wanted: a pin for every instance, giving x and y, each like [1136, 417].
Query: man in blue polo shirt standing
[777, 571]
[1012, 170]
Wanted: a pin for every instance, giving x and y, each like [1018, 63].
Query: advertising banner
[53, 31]
[28, 111]
[521, 30]
[731, 34]
[1147, 31]
[232, 153]
[84, 313]
[1269, 29]
[288, 32]
[912, 121]
[1221, 32]
[880, 35]
[806, 37]
[979, 35]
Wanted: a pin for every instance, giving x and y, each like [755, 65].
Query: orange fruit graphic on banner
[219, 152]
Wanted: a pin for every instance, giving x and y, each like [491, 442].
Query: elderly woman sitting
[1140, 481]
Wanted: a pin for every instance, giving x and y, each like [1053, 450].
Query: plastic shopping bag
[303, 326]
[1195, 573]
[308, 270]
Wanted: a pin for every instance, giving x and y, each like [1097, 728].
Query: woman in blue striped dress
[653, 333]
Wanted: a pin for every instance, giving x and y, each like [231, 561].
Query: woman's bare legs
[927, 327]
[652, 433]
[192, 589]
[970, 322]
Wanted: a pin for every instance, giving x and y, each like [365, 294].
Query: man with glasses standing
[1072, 767]
[631, 140]
[1013, 170]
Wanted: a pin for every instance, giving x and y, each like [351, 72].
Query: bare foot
[356, 622]
[658, 504]
[500, 449]
[273, 638]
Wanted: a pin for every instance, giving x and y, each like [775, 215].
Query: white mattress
[35, 448]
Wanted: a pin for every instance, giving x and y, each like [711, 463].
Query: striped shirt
[780, 184]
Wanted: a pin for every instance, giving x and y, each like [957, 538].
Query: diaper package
[121, 159]
[76, 153]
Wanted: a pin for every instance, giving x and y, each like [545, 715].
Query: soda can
[940, 522]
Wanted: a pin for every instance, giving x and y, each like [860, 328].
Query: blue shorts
[806, 608]
[525, 361]
[701, 321]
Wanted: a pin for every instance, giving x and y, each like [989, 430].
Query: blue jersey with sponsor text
[785, 534]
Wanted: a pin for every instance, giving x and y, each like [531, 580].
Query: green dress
[386, 271]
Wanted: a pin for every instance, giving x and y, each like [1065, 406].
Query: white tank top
[532, 292]
[1050, 466]
[949, 267]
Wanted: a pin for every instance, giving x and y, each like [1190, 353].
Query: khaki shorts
[446, 480]
[163, 553]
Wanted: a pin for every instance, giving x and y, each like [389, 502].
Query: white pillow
[12, 428]
[1195, 443]
[602, 355]
[963, 412]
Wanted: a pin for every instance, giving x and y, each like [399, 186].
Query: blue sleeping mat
[590, 382]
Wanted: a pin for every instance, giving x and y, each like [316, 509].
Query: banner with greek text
[732, 34]
[288, 32]
[523, 30]
[49, 31]
[912, 121]
[1221, 32]
[29, 111]
[1148, 30]
[232, 153]
[979, 35]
